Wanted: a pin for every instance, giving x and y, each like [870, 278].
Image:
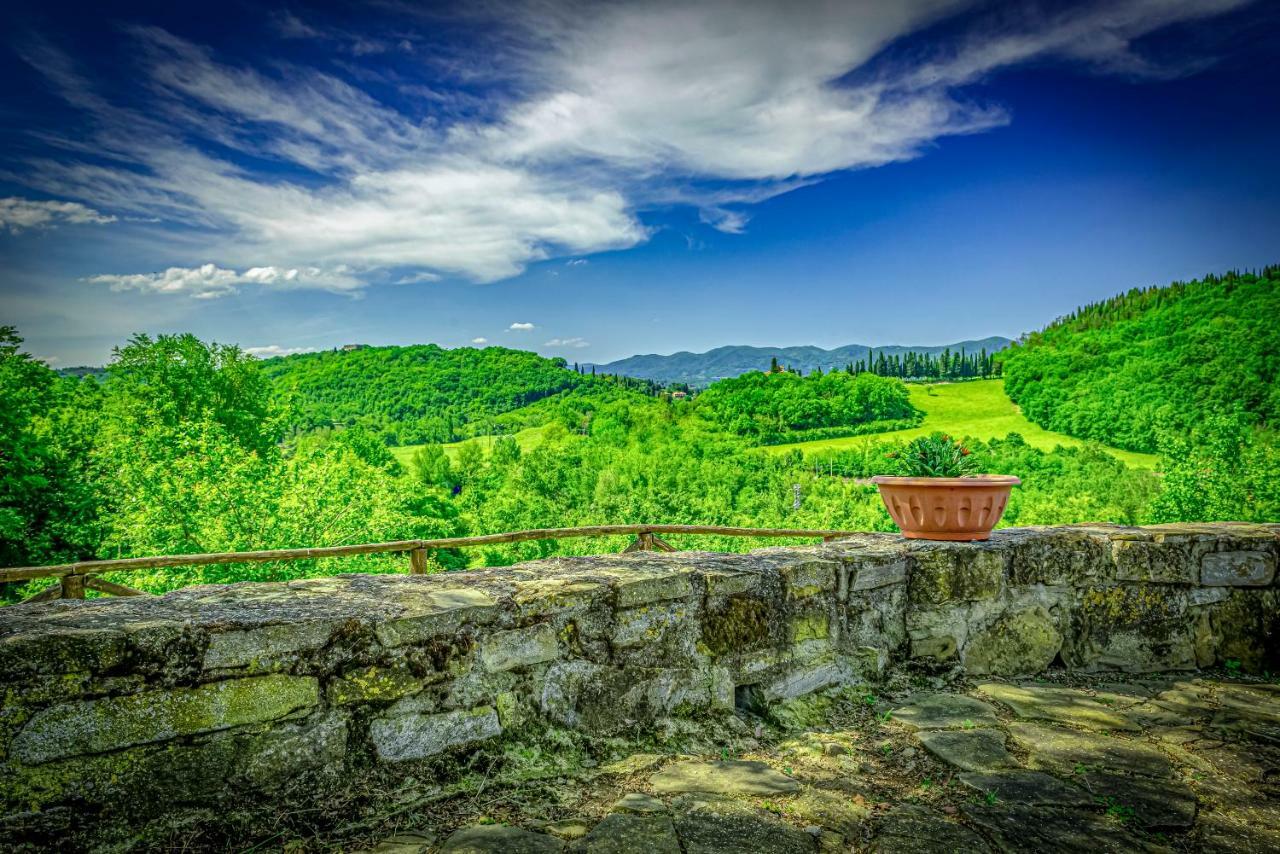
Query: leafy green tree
[176, 380]
[48, 507]
[430, 467]
[1224, 470]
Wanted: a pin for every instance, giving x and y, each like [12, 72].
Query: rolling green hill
[1123, 370]
[410, 395]
[979, 409]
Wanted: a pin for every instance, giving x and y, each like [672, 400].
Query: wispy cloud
[209, 281]
[270, 350]
[18, 214]
[576, 343]
[597, 112]
[521, 326]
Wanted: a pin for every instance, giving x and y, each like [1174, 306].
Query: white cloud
[420, 276]
[576, 262]
[270, 350]
[479, 340]
[209, 281]
[576, 343]
[730, 222]
[717, 105]
[521, 326]
[18, 214]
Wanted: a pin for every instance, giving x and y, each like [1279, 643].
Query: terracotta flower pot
[946, 508]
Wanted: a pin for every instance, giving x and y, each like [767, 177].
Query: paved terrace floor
[1153, 764]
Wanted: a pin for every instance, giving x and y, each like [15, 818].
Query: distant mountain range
[700, 369]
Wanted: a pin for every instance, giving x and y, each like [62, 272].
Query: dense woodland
[913, 365]
[1156, 362]
[424, 393]
[781, 406]
[184, 446]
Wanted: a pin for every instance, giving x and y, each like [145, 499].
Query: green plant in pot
[936, 494]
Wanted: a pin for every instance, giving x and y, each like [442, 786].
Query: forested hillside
[410, 395]
[1155, 361]
[781, 406]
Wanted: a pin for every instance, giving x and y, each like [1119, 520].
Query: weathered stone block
[518, 648]
[723, 583]
[418, 736]
[479, 687]
[542, 596]
[649, 624]
[936, 647]
[810, 625]
[805, 680]
[96, 726]
[1022, 643]
[1238, 569]
[1163, 562]
[372, 685]
[602, 699]
[642, 586]
[444, 613]
[281, 754]
[727, 777]
[871, 573]
[740, 624]
[945, 711]
[875, 617]
[1139, 628]
[805, 578]
[954, 573]
[1055, 556]
[496, 838]
[1246, 628]
[266, 648]
[61, 650]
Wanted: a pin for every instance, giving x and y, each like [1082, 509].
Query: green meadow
[978, 409]
[526, 439]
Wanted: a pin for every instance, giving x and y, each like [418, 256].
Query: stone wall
[119, 710]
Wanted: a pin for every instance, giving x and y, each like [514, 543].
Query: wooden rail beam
[104, 586]
[72, 576]
[53, 591]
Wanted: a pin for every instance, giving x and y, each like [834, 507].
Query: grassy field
[526, 439]
[978, 409]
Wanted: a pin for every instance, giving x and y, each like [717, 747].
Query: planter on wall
[946, 508]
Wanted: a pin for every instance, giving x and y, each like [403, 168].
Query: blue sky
[596, 180]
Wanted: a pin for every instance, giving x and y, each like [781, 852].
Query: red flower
[964, 452]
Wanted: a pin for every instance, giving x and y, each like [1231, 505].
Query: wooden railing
[75, 578]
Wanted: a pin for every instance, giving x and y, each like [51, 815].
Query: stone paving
[1160, 764]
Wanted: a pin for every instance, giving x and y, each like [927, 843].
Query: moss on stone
[810, 626]
[373, 685]
[955, 574]
[97, 726]
[742, 623]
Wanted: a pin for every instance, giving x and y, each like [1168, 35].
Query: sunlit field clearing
[526, 439]
[978, 409]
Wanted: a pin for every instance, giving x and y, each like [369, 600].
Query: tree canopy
[1155, 360]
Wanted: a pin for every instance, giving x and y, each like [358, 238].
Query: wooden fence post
[418, 562]
[647, 541]
[72, 587]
